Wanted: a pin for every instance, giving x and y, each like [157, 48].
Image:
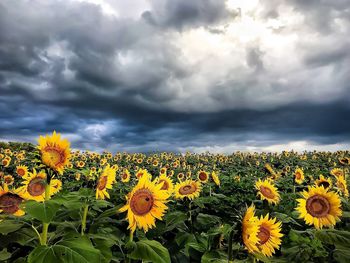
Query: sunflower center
[325, 184]
[102, 182]
[9, 203]
[124, 176]
[263, 235]
[141, 202]
[55, 155]
[202, 176]
[36, 187]
[317, 206]
[338, 173]
[165, 185]
[298, 176]
[266, 191]
[20, 172]
[187, 189]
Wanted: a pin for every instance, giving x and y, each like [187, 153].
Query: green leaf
[23, 236]
[174, 219]
[4, 255]
[75, 249]
[215, 256]
[341, 254]
[43, 212]
[333, 237]
[8, 226]
[150, 250]
[206, 220]
[285, 218]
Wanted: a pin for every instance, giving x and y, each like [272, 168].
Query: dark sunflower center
[124, 176]
[203, 176]
[9, 203]
[102, 182]
[187, 189]
[20, 172]
[36, 187]
[263, 235]
[298, 176]
[325, 184]
[8, 180]
[267, 192]
[165, 184]
[318, 206]
[141, 202]
[338, 173]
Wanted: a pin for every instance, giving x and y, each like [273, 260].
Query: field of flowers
[59, 205]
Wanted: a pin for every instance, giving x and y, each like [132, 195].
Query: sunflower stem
[83, 221]
[209, 190]
[190, 212]
[131, 237]
[43, 240]
[230, 240]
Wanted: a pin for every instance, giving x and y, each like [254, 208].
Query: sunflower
[55, 186]
[22, 170]
[145, 203]
[267, 191]
[250, 230]
[143, 172]
[6, 161]
[125, 176]
[80, 164]
[269, 235]
[104, 182]
[10, 201]
[299, 176]
[180, 176]
[34, 186]
[189, 188]
[342, 185]
[344, 161]
[162, 170]
[167, 183]
[203, 176]
[77, 176]
[319, 207]
[322, 181]
[55, 153]
[215, 177]
[115, 167]
[337, 172]
[8, 179]
[237, 178]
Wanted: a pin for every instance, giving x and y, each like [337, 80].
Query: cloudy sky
[177, 75]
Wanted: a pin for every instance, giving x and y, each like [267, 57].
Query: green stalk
[131, 237]
[43, 240]
[83, 221]
[230, 241]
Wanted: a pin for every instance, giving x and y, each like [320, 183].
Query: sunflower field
[60, 205]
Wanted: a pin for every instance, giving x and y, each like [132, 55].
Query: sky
[177, 75]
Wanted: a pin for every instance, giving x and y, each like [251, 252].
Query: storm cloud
[177, 75]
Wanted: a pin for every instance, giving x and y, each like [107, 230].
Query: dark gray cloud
[181, 13]
[181, 75]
